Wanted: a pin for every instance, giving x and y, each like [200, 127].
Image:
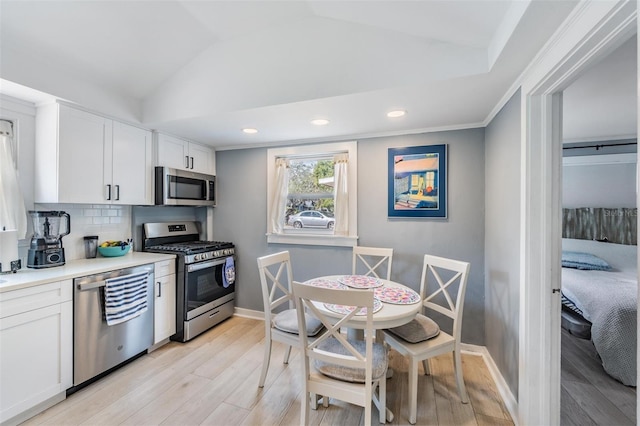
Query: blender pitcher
[46, 244]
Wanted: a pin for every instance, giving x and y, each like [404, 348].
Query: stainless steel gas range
[205, 275]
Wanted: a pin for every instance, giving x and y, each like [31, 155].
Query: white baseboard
[505, 392]
[248, 313]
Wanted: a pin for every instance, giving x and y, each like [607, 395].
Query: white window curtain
[279, 201]
[340, 195]
[13, 215]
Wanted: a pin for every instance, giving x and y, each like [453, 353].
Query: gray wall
[241, 217]
[502, 241]
[599, 185]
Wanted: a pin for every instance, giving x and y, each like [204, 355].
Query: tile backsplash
[108, 222]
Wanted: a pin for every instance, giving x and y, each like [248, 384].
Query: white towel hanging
[125, 297]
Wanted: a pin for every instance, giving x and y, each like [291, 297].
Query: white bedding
[608, 299]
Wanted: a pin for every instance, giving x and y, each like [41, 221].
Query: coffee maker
[46, 249]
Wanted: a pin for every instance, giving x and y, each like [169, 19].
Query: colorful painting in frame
[418, 181]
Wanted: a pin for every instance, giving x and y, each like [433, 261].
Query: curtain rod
[597, 147]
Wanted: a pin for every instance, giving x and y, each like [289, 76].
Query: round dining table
[390, 314]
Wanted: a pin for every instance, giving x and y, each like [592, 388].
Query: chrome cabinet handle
[108, 192]
[186, 158]
[159, 289]
[117, 192]
[192, 162]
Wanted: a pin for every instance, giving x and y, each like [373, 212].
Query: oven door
[204, 285]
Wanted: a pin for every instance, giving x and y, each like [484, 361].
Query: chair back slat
[365, 256]
[435, 267]
[275, 279]
[307, 298]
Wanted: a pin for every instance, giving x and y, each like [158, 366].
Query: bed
[607, 298]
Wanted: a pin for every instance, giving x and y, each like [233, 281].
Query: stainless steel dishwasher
[98, 347]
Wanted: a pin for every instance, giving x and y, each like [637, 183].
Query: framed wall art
[418, 181]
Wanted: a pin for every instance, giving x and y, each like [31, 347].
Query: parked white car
[311, 219]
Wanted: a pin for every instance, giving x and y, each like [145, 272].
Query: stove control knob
[196, 257]
[204, 256]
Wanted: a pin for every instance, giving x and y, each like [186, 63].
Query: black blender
[46, 244]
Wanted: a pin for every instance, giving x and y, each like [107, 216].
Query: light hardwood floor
[213, 380]
[589, 396]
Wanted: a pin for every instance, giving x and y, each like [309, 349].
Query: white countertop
[27, 277]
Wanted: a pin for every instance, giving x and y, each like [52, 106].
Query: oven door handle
[203, 265]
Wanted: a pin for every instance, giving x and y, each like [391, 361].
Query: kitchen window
[312, 196]
[13, 215]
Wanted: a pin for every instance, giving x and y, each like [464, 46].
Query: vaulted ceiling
[205, 70]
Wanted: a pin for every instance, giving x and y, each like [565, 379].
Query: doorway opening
[594, 30]
[599, 214]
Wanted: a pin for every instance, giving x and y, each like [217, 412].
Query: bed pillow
[585, 261]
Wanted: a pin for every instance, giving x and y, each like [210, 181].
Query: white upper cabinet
[180, 154]
[88, 159]
[132, 167]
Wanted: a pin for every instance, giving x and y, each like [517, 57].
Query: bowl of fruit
[114, 248]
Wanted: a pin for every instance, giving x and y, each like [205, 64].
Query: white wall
[28, 70]
[502, 240]
[601, 185]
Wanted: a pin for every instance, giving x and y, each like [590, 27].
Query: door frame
[592, 30]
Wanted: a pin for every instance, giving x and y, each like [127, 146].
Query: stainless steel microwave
[174, 187]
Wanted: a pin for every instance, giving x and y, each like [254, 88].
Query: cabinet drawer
[165, 267]
[27, 299]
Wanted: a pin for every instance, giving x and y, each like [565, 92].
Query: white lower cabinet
[164, 319]
[36, 348]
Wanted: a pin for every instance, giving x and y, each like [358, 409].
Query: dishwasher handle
[100, 280]
[91, 285]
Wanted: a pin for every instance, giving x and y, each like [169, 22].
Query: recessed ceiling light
[250, 130]
[320, 121]
[396, 113]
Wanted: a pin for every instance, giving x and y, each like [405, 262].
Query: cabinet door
[82, 140]
[131, 167]
[200, 158]
[35, 357]
[164, 308]
[173, 152]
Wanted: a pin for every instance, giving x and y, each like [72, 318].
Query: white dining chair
[422, 338]
[280, 325]
[364, 257]
[346, 369]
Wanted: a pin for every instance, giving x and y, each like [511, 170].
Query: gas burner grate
[191, 246]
